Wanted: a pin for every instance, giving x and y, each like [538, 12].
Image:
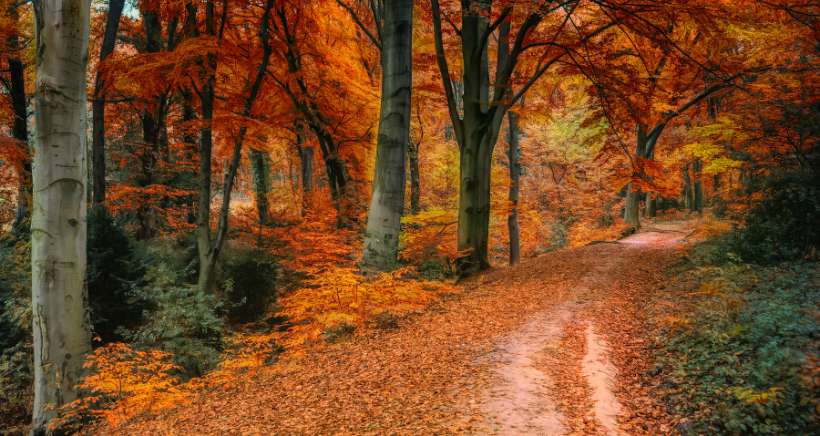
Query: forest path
[539, 359]
[545, 347]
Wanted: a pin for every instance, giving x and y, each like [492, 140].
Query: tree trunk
[209, 250]
[20, 130]
[415, 177]
[632, 206]
[697, 190]
[112, 24]
[203, 221]
[305, 159]
[58, 230]
[478, 137]
[651, 205]
[687, 188]
[632, 214]
[387, 202]
[260, 166]
[514, 156]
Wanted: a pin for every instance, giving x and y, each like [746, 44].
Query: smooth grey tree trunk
[514, 157]
[387, 202]
[112, 24]
[61, 335]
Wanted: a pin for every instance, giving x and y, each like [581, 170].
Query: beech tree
[387, 201]
[58, 228]
[485, 102]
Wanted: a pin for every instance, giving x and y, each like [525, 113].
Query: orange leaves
[125, 383]
[13, 152]
[343, 296]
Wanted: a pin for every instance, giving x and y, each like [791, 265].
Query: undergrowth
[739, 340]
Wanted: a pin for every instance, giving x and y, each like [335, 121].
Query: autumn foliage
[240, 139]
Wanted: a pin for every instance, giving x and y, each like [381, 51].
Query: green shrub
[559, 232]
[435, 268]
[113, 270]
[785, 225]
[744, 365]
[386, 321]
[15, 331]
[180, 320]
[338, 333]
[248, 283]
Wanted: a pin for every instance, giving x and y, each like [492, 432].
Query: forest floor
[554, 345]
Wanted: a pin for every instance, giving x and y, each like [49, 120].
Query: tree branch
[360, 24]
[445, 73]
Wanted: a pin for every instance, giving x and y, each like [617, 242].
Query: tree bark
[514, 156]
[112, 24]
[632, 215]
[415, 177]
[58, 230]
[651, 205]
[209, 250]
[260, 167]
[203, 237]
[387, 202]
[632, 206]
[305, 159]
[313, 117]
[697, 189]
[688, 197]
[17, 92]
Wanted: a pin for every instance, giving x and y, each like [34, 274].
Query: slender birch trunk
[387, 203]
[58, 229]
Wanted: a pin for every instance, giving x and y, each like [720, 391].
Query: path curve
[471, 364]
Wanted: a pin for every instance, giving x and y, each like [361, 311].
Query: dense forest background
[264, 176]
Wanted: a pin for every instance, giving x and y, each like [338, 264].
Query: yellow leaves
[124, 383]
[343, 296]
[752, 396]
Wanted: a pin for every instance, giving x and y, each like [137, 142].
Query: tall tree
[58, 228]
[210, 247]
[478, 124]
[514, 159]
[387, 201]
[112, 24]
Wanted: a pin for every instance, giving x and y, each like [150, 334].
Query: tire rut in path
[519, 401]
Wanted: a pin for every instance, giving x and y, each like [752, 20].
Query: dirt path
[524, 350]
[520, 399]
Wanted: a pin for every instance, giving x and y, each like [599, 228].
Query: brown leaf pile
[428, 376]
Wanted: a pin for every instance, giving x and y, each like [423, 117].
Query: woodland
[409, 217]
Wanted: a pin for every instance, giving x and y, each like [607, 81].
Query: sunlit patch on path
[519, 401]
[600, 375]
